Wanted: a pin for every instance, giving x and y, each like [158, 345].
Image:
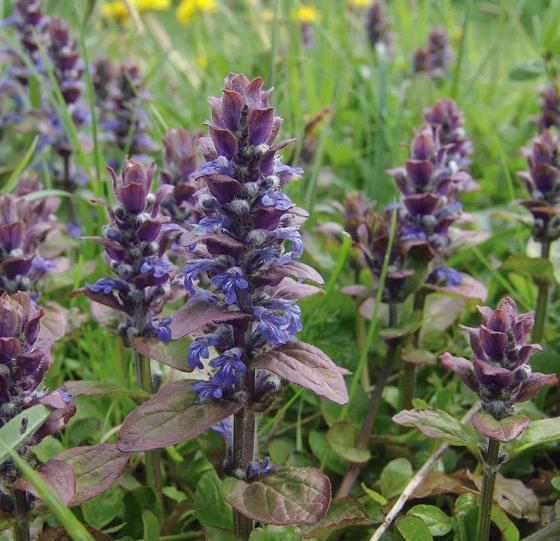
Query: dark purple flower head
[244, 250]
[500, 372]
[357, 210]
[135, 241]
[378, 28]
[120, 97]
[260, 467]
[23, 225]
[427, 185]
[543, 184]
[447, 121]
[434, 59]
[25, 360]
[550, 108]
[181, 161]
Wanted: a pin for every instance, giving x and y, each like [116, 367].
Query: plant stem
[373, 408]
[542, 297]
[152, 458]
[244, 446]
[546, 534]
[361, 330]
[21, 527]
[408, 384]
[487, 493]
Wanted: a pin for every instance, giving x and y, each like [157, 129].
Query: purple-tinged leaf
[98, 388]
[189, 238]
[108, 299]
[289, 289]
[307, 366]
[463, 368]
[468, 288]
[171, 416]
[58, 476]
[342, 439]
[297, 270]
[194, 316]
[538, 432]
[504, 431]
[357, 291]
[288, 496]
[173, 354]
[53, 323]
[439, 425]
[533, 384]
[96, 468]
[342, 513]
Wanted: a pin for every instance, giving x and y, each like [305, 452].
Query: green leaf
[394, 477]
[537, 433]
[555, 482]
[527, 71]
[540, 270]
[438, 424]
[437, 521]
[466, 513]
[102, 509]
[73, 526]
[21, 428]
[275, 533]
[217, 534]
[342, 439]
[322, 450]
[210, 506]
[342, 513]
[413, 529]
[288, 496]
[375, 496]
[504, 524]
[151, 526]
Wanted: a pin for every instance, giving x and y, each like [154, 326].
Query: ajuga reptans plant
[378, 28]
[434, 59]
[501, 376]
[26, 357]
[241, 261]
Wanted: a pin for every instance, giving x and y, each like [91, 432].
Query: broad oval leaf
[342, 439]
[211, 509]
[307, 366]
[58, 476]
[468, 288]
[194, 316]
[504, 431]
[288, 496]
[96, 468]
[173, 353]
[538, 432]
[437, 521]
[413, 529]
[438, 424]
[342, 513]
[171, 416]
[395, 476]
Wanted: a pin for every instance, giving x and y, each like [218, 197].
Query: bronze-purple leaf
[504, 430]
[342, 513]
[468, 288]
[171, 416]
[288, 496]
[306, 365]
[58, 476]
[193, 316]
[172, 353]
[98, 388]
[96, 468]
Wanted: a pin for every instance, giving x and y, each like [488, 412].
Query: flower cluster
[116, 9]
[26, 358]
[119, 95]
[429, 207]
[181, 161]
[357, 211]
[237, 258]
[68, 69]
[23, 225]
[550, 108]
[187, 9]
[434, 59]
[543, 185]
[135, 243]
[500, 372]
[448, 124]
[378, 27]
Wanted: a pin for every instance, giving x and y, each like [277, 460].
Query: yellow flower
[307, 14]
[147, 5]
[115, 10]
[360, 3]
[188, 8]
[201, 61]
[267, 15]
